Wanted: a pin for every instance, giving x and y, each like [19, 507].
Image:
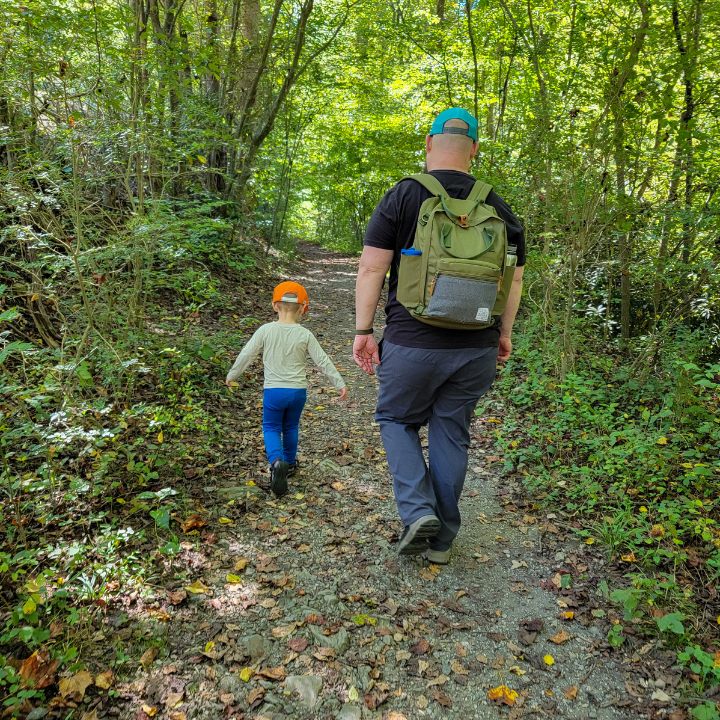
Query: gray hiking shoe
[438, 557]
[415, 536]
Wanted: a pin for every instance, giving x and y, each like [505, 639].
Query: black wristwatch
[365, 332]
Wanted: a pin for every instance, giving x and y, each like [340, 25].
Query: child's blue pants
[282, 408]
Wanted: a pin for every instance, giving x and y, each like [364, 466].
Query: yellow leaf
[202, 159]
[687, 465]
[148, 710]
[661, 441]
[120, 501]
[590, 541]
[29, 607]
[643, 508]
[549, 660]
[209, 647]
[225, 521]
[250, 482]
[503, 694]
[628, 558]
[160, 436]
[33, 586]
[197, 588]
[353, 694]
[233, 578]
[320, 407]
[245, 674]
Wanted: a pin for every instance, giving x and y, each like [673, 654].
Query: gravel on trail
[308, 612]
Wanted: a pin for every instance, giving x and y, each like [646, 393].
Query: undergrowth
[94, 432]
[629, 453]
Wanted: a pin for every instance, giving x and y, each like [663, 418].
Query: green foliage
[672, 622]
[702, 664]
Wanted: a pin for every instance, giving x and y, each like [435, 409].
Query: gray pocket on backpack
[463, 299]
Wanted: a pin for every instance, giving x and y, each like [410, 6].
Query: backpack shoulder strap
[429, 182]
[480, 191]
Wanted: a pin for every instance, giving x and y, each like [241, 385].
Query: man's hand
[505, 349]
[365, 353]
[343, 394]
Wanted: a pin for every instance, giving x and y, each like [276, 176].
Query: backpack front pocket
[464, 291]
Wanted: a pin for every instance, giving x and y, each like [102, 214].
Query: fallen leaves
[297, 644]
[439, 680]
[304, 548]
[421, 647]
[197, 588]
[233, 579]
[284, 630]
[571, 692]
[177, 597]
[276, 674]
[74, 687]
[148, 657]
[503, 695]
[194, 522]
[255, 697]
[458, 668]
[38, 671]
[443, 699]
[105, 680]
[174, 699]
[375, 699]
[240, 564]
[549, 660]
[560, 637]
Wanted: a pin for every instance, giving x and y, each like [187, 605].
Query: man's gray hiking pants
[440, 389]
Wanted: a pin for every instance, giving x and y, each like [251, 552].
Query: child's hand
[344, 393]
[232, 384]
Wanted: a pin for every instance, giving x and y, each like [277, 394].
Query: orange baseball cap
[290, 292]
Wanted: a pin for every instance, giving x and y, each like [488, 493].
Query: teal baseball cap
[438, 127]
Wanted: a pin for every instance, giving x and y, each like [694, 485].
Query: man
[429, 375]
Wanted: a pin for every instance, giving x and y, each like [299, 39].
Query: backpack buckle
[463, 221]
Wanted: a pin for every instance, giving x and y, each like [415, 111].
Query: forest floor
[300, 607]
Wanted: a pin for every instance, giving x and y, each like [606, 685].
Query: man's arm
[508, 317]
[374, 264]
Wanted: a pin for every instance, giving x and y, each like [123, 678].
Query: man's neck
[431, 167]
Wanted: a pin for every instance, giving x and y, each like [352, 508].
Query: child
[285, 345]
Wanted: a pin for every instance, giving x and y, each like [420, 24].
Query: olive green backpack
[458, 272]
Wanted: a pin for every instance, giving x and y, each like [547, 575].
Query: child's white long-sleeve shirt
[285, 349]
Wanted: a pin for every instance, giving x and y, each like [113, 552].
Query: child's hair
[295, 308]
[289, 307]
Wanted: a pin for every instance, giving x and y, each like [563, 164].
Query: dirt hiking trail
[308, 612]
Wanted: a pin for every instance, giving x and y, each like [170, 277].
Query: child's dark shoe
[278, 477]
[292, 467]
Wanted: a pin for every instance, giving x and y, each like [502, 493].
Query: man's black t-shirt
[392, 227]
